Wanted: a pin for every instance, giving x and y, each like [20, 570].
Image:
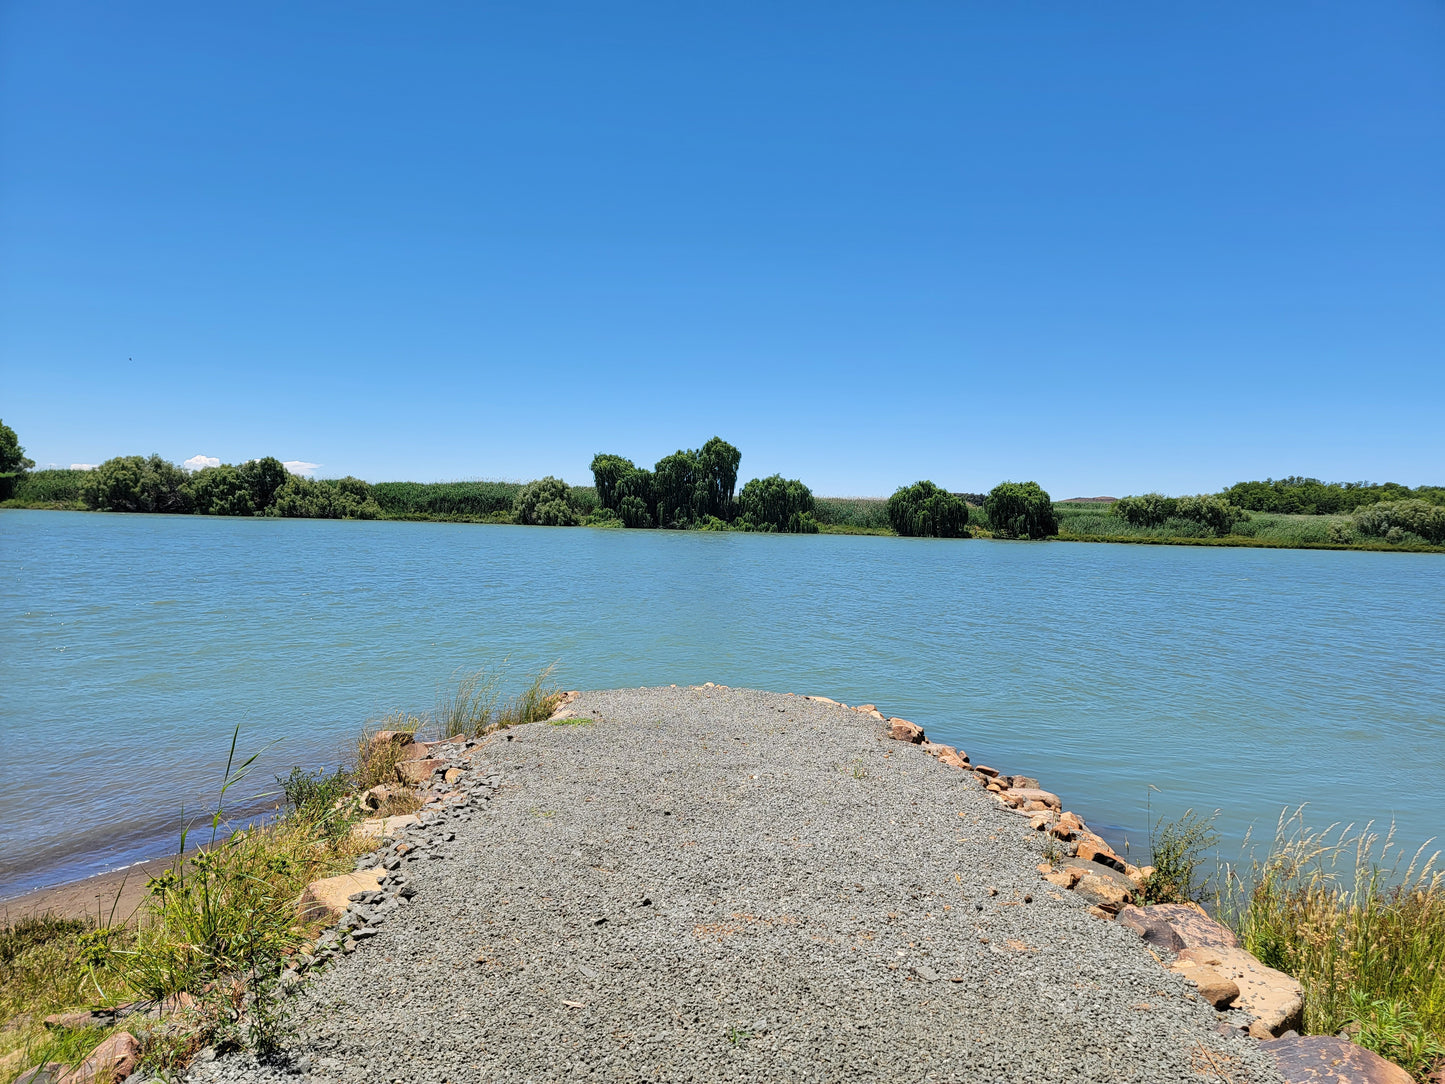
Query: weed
[569, 722]
[376, 761]
[1365, 939]
[1176, 851]
[738, 1035]
[859, 772]
[468, 709]
[533, 705]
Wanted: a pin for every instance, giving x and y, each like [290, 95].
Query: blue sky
[1110, 247]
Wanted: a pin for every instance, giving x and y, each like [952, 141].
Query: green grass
[852, 515]
[1095, 523]
[569, 722]
[59, 489]
[1364, 936]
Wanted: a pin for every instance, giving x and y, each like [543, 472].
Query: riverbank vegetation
[697, 489]
[200, 963]
[1364, 937]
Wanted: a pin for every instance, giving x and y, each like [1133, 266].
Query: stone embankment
[715, 884]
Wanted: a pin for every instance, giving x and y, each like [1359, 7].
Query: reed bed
[1361, 924]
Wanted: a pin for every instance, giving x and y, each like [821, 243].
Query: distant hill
[1089, 500]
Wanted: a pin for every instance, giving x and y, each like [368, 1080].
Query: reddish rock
[451, 775]
[1213, 987]
[416, 750]
[1326, 1059]
[866, 708]
[1273, 999]
[1033, 794]
[1024, 782]
[1195, 928]
[418, 771]
[1106, 892]
[1153, 930]
[984, 769]
[938, 749]
[328, 897]
[114, 1059]
[953, 761]
[903, 730]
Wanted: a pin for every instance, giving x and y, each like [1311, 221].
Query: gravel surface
[718, 884]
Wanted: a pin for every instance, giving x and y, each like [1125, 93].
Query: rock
[1041, 821]
[383, 827]
[1154, 931]
[1024, 782]
[374, 798]
[1093, 849]
[984, 769]
[114, 1059]
[822, 700]
[451, 775]
[1213, 987]
[383, 738]
[1195, 928]
[48, 1073]
[866, 708]
[73, 1021]
[418, 771]
[1326, 1059]
[938, 749]
[1033, 794]
[416, 750]
[925, 973]
[903, 730]
[329, 897]
[953, 761]
[1106, 892]
[1010, 799]
[1064, 878]
[1273, 999]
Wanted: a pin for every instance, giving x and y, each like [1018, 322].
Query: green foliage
[446, 500]
[1177, 851]
[1147, 510]
[1211, 514]
[1310, 496]
[1412, 517]
[1020, 510]
[676, 480]
[262, 478]
[324, 498]
[545, 503]
[1365, 939]
[12, 456]
[53, 488]
[634, 512]
[776, 503]
[717, 463]
[635, 501]
[607, 471]
[322, 800]
[922, 510]
[221, 491]
[133, 483]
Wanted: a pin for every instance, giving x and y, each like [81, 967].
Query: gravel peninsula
[697, 884]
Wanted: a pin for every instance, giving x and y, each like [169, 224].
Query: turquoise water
[1247, 680]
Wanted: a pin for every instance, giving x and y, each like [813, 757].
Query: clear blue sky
[1111, 247]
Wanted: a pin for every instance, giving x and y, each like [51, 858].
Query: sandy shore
[122, 889]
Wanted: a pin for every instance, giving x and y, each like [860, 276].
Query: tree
[776, 503]
[1149, 510]
[636, 502]
[922, 510]
[544, 503]
[221, 491]
[12, 456]
[718, 463]
[1020, 510]
[262, 478]
[326, 498]
[675, 483]
[1391, 519]
[607, 471]
[133, 483]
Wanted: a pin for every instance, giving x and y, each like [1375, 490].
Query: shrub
[221, 491]
[325, 498]
[60, 487]
[1176, 851]
[1310, 496]
[1020, 510]
[1148, 510]
[262, 478]
[133, 483]
[634, 512]
[544, 503]
[776, 503]
[922, 510]
[1392, 519]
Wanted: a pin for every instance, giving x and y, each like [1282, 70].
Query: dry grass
[375, 762]
[1361, 925]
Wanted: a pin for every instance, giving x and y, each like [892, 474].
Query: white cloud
[300, 466]
[83, 466]
[197, 462]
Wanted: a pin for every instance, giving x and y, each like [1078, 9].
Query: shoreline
[1224, 542]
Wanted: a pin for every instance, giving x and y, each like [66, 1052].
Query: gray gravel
[718, 884]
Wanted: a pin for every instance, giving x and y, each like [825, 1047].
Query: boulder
[1213, 987]
[984, 769]
[1154, 931]
[903, 730]
[1327, 1059]
[1106, 892]
[1064, 878]
[418, 771]
[329, 897]
[416, 750]
[383, 738]
[1033, 794]
[953, 761]
[938, 749]
[1092, 848]
[382, 827]
[114, 1059]
[451, 775]
[1274, 1001]
[1195, 928]
[374, 798]
[822, 700]
[866, 708]
[1025, 782]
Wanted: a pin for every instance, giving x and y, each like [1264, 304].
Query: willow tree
[675, 481]
[1020, 510]
[776, 503]
[607, 471]
[718, 463]
[922, 510]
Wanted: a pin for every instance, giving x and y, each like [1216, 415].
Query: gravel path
[717, 884]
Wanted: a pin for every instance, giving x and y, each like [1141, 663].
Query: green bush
[776, 503]
[1392, 520]
[634, 512]
[1189, 516]
[324, 498]
[55, 487]
[544, 503]
[1177, 850]
[1148, 510]
[133, 483]
[635, 502]
[922, 510]
[1020, 510]
[607, 471]
[1310, 496]
[221, 491]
